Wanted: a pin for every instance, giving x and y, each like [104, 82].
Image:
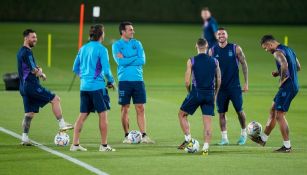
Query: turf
[167, 48]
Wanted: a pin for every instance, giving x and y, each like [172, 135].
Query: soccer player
[210, 27]
[91, 65]
[203, 91]
[129, 55]
[229, 56]
[287, 68]
[33, 94]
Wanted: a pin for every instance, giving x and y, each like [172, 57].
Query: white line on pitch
[64, 156]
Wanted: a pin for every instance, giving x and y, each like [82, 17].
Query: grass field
[167, 48]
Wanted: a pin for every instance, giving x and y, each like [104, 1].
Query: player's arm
[242, 59]
[217, 79]
[107, 69]
[215, 28]
[76, 66]
[140, 58]
[188, 74]
[119, 58]
[36, 70]
[281, 59]
[298, 64]
[210, 52]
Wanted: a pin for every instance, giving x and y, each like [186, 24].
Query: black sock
[144, 134]
[26, 123]
[126, 134]
[104, 145]
[76, 144]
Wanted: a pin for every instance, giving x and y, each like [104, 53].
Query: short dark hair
[95, 32]
[267, 38]
[27, 32]
[222, 28]
[122, 26]
[201, 42]
[205, 9]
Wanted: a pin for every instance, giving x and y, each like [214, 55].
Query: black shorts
[91, 101]
[131, 89]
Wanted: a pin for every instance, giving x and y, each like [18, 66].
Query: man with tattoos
[287, 68]
[229, 56]
[202, 92]
[33, 94]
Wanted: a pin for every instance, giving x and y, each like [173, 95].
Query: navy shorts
[224, 96]
[284, 96]
[131, 89]
[91, 101]
[35, 96]
[195, 99]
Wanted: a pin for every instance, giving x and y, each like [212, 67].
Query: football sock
[126, 134]
[187, 137]
[287, 144]
[104, 145]
[224, 135]
[26, 124]
[264, 137]
[24, 137]
[144, 134]
[206, 146]
[61, 122]
[243, 132]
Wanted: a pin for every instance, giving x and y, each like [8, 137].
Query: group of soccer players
[219, 60]
[212, 76]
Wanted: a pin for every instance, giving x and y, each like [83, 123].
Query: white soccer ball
[135, 136]
[61, 139]
[192, 147]
[254, 129]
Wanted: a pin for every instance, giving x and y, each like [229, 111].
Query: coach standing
[129, 55]
[210, 27]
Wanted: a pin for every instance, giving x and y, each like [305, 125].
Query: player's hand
[275, 73]
[120, 55]
[282, 81]
[111, 86]
[43, 76]
[245, 87]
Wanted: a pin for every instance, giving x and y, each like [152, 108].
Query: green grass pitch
[167, 48]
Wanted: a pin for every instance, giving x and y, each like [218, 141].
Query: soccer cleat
[258, 140]
[224, 142]
[146, 139]
[283, 149]
[66, 127]
[106, 148]
[183, 145]
[242, 140]
[26, 143]
[205, 152]
[126, 140]
[77, 148]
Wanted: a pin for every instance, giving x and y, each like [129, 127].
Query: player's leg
[222, 102]
[57, 111]
[26, 123]
[185, 127]
[77, 130]
[284, 129]
[207, 121]
[103, 126]
[125, 121]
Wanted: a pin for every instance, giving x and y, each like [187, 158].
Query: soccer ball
[192, 147]
[254, 129]
[135, 136]
[61, 139]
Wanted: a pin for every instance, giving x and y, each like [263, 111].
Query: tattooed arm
[188, 75]
[242, 60]
[281, 59]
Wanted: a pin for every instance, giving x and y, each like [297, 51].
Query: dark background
[176, 11]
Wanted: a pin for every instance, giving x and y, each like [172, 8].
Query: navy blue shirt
[292, 64]
[26, 63]
[209, 29]
[229, 65]
[203, 72]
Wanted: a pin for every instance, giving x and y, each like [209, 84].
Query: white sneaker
[126, 140]
[106, 149]
[77, 148]
[25, 141]
[67, 126]
[146, 139]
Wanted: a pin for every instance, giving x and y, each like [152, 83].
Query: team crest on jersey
[134, 47]
[230, 53]
[217, 55]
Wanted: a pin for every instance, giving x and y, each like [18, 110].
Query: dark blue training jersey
[203, 72]
[292, 65]
[26, 63]
[229, 65]
[209, 29]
